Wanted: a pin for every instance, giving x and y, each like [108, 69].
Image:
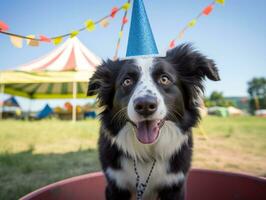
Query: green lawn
[34, 154]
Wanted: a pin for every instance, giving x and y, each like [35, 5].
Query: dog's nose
[146, 105]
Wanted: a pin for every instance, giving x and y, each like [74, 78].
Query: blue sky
[234, 35]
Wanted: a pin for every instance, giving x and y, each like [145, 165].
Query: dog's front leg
[174, 192]
[112, 192]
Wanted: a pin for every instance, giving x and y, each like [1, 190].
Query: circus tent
[70, 56]
[62, 73]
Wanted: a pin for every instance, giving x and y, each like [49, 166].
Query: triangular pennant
[220, 1]
[43, 38]
[104, 23]
[3, 26]
[74, 33]
[28, 40]
[124, 20]
[192, 23]
[57, 40]
[90, 25]
[113, 12]
[16, 41]
[172, 44]
[126, 6]
[33, 43]
[207, 10]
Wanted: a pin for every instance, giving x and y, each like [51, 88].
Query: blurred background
[49, 130]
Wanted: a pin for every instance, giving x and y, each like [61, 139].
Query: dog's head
[149, 91]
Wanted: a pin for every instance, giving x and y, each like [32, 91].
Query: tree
[217, 99]
[257, 93]
[216, 96]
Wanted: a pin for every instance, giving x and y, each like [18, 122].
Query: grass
[34, 154]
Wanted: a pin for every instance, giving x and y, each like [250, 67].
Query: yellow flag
[90, 25]
[28, 40]
[126, 6]
[74, 34]
[57, 40]
[120, 34]
[220, 1]
[16, 41]
[104, 23]
[192, 23]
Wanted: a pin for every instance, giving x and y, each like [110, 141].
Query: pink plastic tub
[201, 185]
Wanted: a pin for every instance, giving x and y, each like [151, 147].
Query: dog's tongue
[147, 131]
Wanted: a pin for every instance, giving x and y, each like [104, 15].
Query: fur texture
[160, 94]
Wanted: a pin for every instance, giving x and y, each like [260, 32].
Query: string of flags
[205, 12]
[120, 34]
[89, 25]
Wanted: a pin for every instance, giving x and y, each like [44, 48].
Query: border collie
[150, 105]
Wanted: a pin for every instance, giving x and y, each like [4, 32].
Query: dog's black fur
[187, 68]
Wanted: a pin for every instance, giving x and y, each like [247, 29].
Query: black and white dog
[149, 108]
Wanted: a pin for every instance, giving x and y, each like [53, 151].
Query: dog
[149, 106]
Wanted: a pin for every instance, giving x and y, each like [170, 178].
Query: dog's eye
[127, 82]
[164, 80]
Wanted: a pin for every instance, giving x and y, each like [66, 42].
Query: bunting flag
[172, 44]
[90, 25]
[74, 34]
[3, 26]
[31, 42]
[124, 20]
[43, 38]
[57, 40]
[16, 41]
[220, 1]
[113, 12]
[192, 23]
[120, 34]
[29, 38]
[104, 23]
[125, 7]
[205, 12]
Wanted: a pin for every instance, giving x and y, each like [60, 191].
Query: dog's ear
[96, 80]
[102, 82]
[191, 64]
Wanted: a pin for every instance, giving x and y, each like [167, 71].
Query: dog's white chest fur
[169, 142]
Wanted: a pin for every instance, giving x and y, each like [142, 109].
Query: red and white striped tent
[63, 73]
[70, 56]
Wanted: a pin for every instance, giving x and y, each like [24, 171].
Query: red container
[201, 185]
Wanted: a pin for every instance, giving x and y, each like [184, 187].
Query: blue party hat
[140, 41]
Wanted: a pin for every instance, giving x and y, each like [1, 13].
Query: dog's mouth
[148, 130]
